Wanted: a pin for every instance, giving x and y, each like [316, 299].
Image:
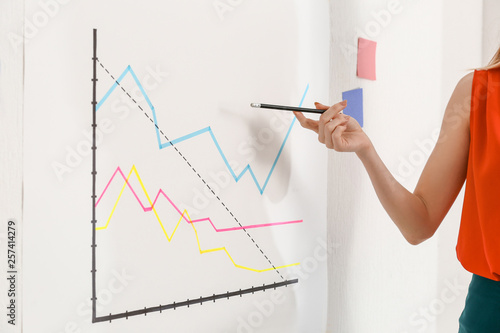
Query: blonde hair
[494, 63]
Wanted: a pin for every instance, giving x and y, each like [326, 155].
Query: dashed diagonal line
[191, 167]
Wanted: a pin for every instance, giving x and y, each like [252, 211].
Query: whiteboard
[206, 215]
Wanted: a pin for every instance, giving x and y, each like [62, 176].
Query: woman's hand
[336, 130]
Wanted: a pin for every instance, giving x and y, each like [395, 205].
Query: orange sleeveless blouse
[478, 246]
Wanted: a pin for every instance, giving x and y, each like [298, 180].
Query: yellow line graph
[169, 238]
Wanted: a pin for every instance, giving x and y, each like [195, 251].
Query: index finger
[334, 110]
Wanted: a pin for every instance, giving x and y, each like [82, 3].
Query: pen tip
[255, 105]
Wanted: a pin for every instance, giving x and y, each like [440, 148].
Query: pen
[285, 108]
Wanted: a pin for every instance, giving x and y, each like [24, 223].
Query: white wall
[491, 28]
[377, 281]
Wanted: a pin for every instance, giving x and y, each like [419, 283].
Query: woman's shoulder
[459, 105]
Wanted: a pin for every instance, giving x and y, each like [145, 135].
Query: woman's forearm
[407, 210]
[417, 214]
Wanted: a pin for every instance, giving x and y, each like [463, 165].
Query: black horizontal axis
[193, 301]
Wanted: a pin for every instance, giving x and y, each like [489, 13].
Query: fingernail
[344, 102]
[316, 103]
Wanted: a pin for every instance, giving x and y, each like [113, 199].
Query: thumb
[300, 116]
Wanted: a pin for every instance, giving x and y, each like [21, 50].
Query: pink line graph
[148, 209]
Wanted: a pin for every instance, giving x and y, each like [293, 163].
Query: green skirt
[482, 307]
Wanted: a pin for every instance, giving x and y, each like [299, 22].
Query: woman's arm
[417, 214]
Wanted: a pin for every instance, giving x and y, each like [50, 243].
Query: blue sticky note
[354, 104]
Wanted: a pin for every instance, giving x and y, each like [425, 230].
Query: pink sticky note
[366, 59]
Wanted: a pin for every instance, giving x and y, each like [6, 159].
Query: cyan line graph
[171, 143]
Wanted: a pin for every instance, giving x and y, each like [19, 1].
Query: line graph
[208, 130]
[184, 215]
[159, 130]
[127, 184]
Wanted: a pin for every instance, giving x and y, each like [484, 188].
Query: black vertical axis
[94, 172]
